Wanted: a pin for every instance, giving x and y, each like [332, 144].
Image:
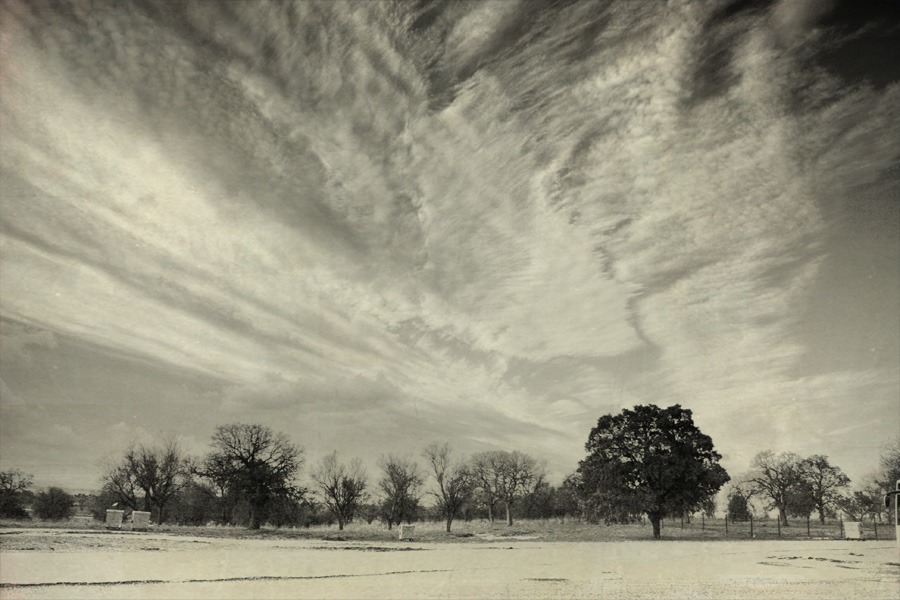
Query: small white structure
[407, 531]
[114, 518]
[140, 520]
[853, 531]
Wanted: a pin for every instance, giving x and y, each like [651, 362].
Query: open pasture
[92, 563]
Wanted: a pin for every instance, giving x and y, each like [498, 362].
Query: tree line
[646, 462]
[800, 487]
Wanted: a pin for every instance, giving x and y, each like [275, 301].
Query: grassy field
[481, 531]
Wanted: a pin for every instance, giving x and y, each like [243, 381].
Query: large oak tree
[255, 462]
[649, 460]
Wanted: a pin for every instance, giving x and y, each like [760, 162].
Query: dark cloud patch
[713, 74]
[863, 34]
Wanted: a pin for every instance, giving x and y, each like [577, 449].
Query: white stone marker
[140, 520]
[853, 531]
[114, 518]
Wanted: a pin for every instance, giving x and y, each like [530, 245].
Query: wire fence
[773, 528]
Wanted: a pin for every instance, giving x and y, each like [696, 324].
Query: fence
[798, 528]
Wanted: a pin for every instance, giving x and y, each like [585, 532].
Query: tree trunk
[257, 508]
[822, 516]
[508, 514]
[782, 515]
[655, 521]
[449, 522]
[491, 513]
[340, 524]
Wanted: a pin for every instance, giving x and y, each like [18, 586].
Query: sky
[377, 225]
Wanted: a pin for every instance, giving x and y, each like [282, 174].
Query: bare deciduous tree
[13, 484]
[400, 484]
[502, 477]
[486, 468]
[255, 462]
[14, 481]
[147, 476]
[773, 476]
[453, 478]
[342, 486]
[519, 472]
[823, 483]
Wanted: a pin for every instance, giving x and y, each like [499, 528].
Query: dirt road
[160, 566]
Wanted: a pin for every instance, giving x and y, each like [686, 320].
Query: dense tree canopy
[738, 508]
[649, 460]
[54, 504]
[889, 465]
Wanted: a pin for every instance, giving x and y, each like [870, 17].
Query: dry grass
[481, 531]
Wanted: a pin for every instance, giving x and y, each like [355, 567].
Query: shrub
[738, 508]
[54, 504]
[11, 506]
[14, 486]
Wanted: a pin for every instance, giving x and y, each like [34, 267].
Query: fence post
[702, 522]
[779, 526]
[808, 534]
[726, 524]
[842, 525]
[751, 526]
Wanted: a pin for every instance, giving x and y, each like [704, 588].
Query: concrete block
[853, 531]
[140, 520]
[114, 518]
